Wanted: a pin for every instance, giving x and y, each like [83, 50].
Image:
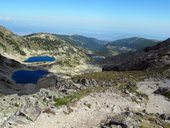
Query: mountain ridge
[12, 44]
[127, 44]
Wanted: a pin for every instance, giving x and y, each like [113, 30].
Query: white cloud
[5, 18]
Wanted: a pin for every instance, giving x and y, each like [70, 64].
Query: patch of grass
[148, 121]
[76, 96]
[114, 53]
[146, 124]
[125, 80]
[69, 62]
[127, 86]
[167, 95]
[1, 95]
[166, 125]
[152, 121]
[49, 111]
[112, 75]
[143, 95]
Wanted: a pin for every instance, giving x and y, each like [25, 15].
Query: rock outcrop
[165, 91]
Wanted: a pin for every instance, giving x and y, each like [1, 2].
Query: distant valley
[46, 42]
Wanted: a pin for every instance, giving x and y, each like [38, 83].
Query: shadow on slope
[9, 86]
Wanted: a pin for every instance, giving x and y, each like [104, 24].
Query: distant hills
[126, 45]
[85, 42]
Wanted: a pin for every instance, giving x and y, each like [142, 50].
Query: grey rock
[123, 120]
[165, 116]
[87, 82]
[14, 121]
[30, 111]
[163, 91]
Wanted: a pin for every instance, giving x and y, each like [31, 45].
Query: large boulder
[30, 111]
[123, 120]
[165, 91]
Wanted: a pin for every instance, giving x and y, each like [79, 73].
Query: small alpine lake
[40, 59]
[97, 58]
[28, 76]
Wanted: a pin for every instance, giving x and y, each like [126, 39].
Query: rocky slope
[111, 107]
[53, 43]
[41, 43]
[157, 56]
[126, 45]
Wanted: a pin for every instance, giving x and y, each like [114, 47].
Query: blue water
[40, 59]
[97, 59]
[26, 76]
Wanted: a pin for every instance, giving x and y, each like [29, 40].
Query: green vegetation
[115, 75]
[70, 62]
[151, 121]
[85, 42]
[77, 96]
[109, 51]
[114, 53]
[2, 47]
[1, 35]
[44, 42]
[166, 125]
[123, 80]
[123, 75]
[167, 95]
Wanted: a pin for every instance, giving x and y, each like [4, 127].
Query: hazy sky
[105, 19]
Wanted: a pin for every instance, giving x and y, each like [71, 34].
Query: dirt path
[92, 109]
[86, 113]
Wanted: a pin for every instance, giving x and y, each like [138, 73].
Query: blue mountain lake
[40, 59]
[96, 58]
[27, 76]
